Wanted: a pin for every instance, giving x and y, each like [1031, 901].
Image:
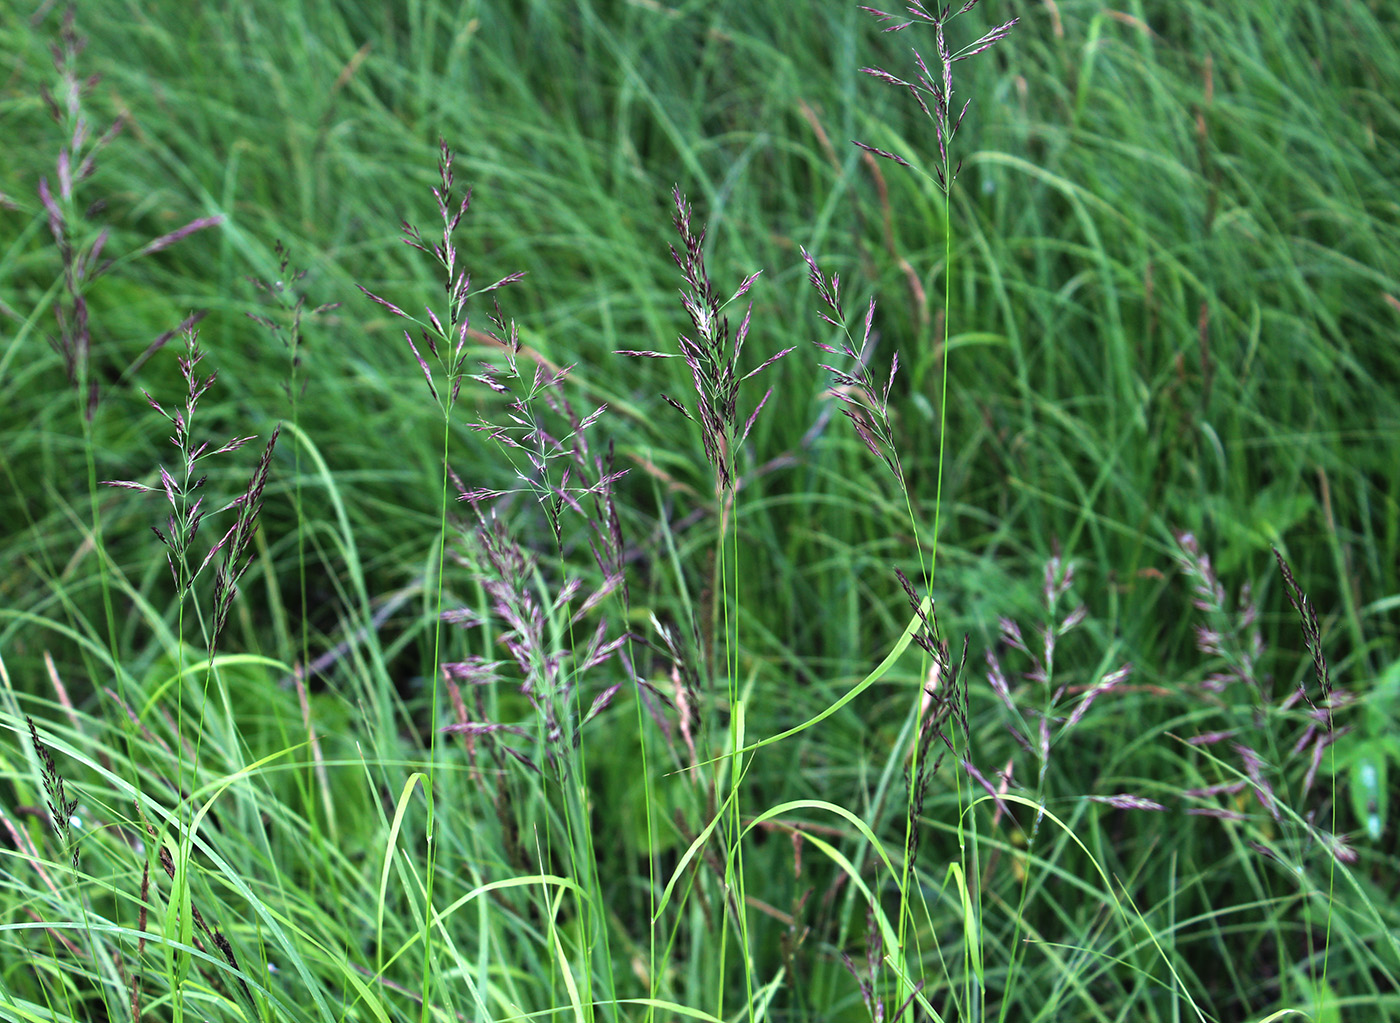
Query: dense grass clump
[507, 513]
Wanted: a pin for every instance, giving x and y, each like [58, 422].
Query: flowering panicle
[290, 302]
[542, 426]
[864, 403]
[547, 673]
[183, 494]
[61, 808]
[712, 359]
[1038, 736]
[236, 544]
[1234, 639]
[933, 89]
[82, 253]
[942, 714]
[445, 336]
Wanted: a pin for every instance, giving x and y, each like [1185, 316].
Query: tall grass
[671, 755]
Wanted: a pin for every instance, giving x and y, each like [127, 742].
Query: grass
[672, 741]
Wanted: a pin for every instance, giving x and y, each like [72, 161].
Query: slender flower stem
[931, 86]
[712, 359]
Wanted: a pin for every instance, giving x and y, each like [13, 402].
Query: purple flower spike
[713, 359]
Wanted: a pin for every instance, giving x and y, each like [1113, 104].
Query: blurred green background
[1173, 297]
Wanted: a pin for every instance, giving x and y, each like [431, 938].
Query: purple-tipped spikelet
[1037, 729]
[445, 336]
[1233, 638]
[711, 357]
[933, 89]
[81, 252]
[183, 494]
[546, 673]
[865, 404]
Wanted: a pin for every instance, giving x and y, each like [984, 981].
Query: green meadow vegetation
[713, 571]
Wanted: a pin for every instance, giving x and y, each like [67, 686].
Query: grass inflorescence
[568, 650]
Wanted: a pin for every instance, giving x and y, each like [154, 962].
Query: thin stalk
[650, 856]
[433, 720]
[729, 570]
[713, 359]
[932, 87]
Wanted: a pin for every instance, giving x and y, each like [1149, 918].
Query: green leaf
[1325, 1007]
